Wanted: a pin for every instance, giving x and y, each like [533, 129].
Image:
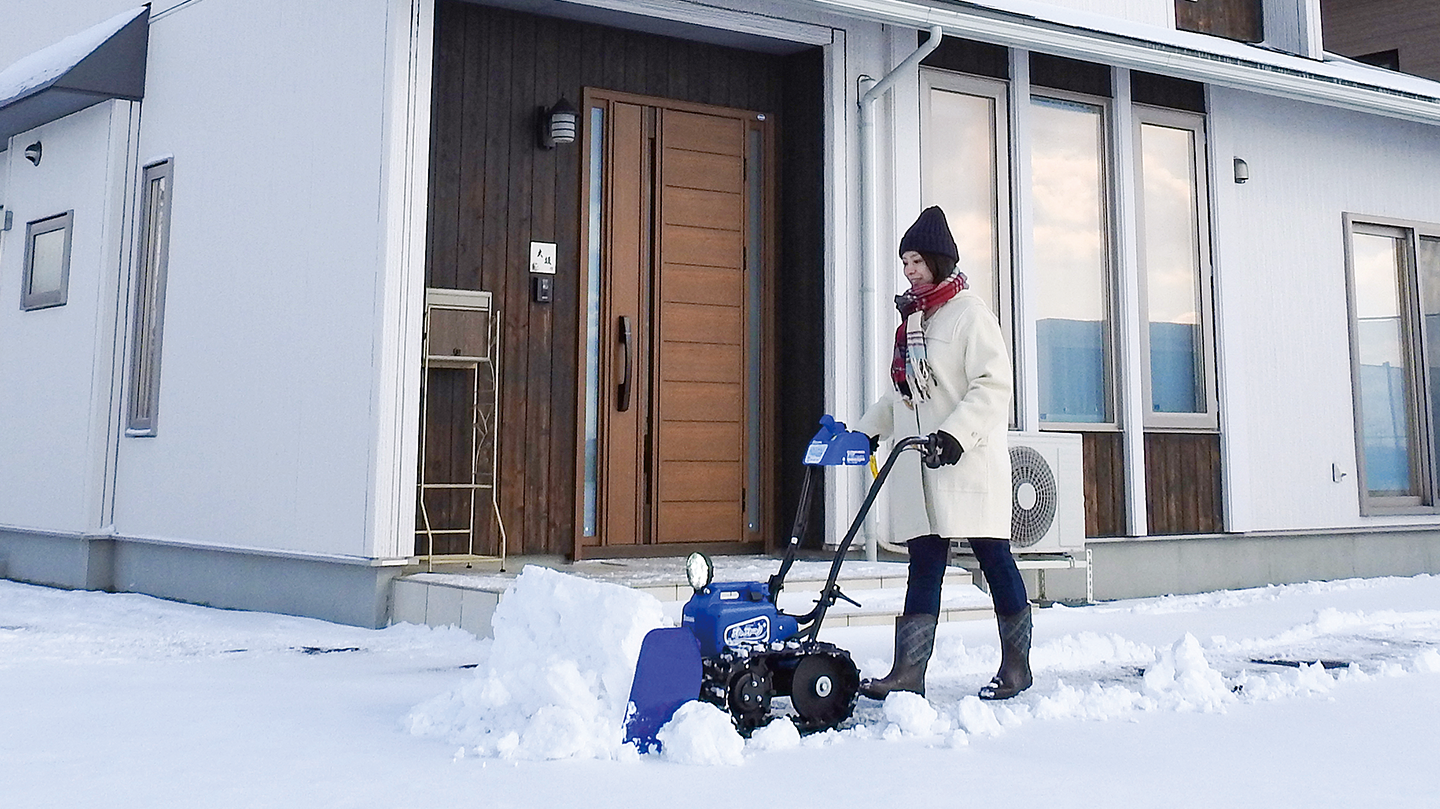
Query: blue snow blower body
[736, 649]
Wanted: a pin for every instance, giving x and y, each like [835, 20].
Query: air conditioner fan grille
[1030, 479]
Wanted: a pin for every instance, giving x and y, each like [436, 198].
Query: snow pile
[557, 681]
[780, 734]
[700, 733]
[912, 715]
[1182, 678]
[1427, 662]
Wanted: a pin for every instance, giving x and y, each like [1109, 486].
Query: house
[292, 296]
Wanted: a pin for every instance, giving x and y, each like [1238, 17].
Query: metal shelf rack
[462, 332]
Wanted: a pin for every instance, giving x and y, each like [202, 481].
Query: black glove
[874, 444]
[941, 449]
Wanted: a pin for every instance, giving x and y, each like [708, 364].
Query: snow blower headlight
[699, 570]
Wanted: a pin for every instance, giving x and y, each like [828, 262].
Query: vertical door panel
[626, 355]
[701, 283]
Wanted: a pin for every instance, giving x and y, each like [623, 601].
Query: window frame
[1111, 258]
[1422, 429]
[996, 91]
[148, 310]
[32, 301]
[1209, 420]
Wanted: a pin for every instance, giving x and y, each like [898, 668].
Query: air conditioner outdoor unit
[1048, 491]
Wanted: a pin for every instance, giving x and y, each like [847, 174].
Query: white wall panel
[273, 113]
[55, 362]
[1152, 12]
[1280, 277]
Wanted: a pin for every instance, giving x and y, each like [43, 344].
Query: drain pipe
[869, 220]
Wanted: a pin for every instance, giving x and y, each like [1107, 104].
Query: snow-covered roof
[102, 62]
[1161, 49]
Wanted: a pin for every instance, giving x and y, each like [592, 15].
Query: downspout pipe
[870, 332]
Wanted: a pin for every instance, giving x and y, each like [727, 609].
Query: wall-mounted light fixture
[32, 153]
[556, 124]
[1242, 170]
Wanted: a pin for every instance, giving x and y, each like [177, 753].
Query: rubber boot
[914, 641]
[1014, 675]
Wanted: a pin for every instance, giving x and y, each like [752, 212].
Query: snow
[1213, 699]
[557, 682]
[39, 69]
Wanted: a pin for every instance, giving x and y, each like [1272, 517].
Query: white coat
[970, 400]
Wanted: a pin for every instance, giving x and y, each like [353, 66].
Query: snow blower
[736, 650]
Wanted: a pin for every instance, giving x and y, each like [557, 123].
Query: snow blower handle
[828, 596]
[832, 445]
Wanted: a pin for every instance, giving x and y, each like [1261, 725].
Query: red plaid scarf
[909, 369]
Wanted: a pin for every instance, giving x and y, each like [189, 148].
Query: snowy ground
[125, 701]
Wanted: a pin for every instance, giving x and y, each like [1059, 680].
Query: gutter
[1234, 65]
[869, 238]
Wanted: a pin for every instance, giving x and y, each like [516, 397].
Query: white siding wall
[55, 363]
[1281, 282]
[273, 113]
[1151, 12]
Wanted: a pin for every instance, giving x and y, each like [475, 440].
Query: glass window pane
[1171, 258]
[47, 262]
[1428, 267]
[592, 319]
[1385, 394]
[959, 176]
[1072, 308]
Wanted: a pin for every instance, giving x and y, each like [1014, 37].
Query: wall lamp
[32, 153]
[1242, 170]
[556, 124]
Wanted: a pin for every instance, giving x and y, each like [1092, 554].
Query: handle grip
[622, 394]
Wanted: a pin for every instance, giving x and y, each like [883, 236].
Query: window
[149, 308]
[1072, 258]
[1241, 20]
[47, 262]
[1394, 272]
[1177, 332]
[964, 151]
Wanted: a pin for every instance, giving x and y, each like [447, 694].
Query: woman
[953, 383]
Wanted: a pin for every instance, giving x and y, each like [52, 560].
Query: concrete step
[468, 599]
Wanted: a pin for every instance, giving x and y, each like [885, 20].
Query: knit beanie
[930, 234]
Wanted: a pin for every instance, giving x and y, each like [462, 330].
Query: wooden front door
[677, 305]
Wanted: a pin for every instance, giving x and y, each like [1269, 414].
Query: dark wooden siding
[1358, 28]
[492, 192]
[1241, 20]
[1182, 479]
[1104, 485]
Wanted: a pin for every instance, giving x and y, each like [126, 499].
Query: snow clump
[780, 734]
[702, 734]
[557, 682]
[912, 715]
[1184, 680]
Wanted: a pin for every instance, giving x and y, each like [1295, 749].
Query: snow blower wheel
[823, 690]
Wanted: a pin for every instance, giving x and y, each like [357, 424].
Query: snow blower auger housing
[736, 649]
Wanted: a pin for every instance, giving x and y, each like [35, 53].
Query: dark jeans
[928, 555]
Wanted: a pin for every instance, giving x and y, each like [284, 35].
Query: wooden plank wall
[492, 192]
[1182, 482]
[1241, 20]
[1104, 485]
[1360, 27]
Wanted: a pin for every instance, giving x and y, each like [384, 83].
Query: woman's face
[917, 272]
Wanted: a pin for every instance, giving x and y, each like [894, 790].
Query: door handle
[623, 393]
